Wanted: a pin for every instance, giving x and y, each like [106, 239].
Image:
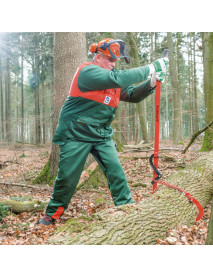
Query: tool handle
[165, 53]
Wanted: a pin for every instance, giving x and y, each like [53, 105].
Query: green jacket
[85, 119]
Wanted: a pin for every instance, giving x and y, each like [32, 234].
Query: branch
[195, 135]
[25, 185]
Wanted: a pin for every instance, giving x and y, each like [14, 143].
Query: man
[85, 118]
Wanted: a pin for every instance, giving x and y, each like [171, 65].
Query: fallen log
[23, 206]
[146, 221]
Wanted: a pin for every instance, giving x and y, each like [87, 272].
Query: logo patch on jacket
[107, 100]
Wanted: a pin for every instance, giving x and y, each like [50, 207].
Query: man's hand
[159, 65]
[160, 76]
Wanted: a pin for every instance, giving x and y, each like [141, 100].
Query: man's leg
[71, 162]
[106, 155]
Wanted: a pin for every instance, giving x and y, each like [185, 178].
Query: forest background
[27, 89]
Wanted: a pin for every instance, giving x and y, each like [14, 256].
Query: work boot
[46, 220]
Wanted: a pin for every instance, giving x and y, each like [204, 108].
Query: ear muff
[93, 47]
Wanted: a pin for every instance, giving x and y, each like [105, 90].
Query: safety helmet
[114, 49]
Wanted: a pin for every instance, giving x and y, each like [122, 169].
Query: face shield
[116, 49]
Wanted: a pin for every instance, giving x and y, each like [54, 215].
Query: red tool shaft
[157, 131]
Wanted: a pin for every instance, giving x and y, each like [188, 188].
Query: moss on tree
[207, 142]
[45, 176]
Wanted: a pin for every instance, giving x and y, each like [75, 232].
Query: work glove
[160, 76]
[159, 65]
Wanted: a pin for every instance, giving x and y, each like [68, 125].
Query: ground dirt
[22, 163]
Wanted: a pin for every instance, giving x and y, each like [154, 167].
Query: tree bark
[208, 58]
[209, 239]
[141, 105]
[69, 53]
[22, 91]
[177, 132]
[8, 91]
[2, 102]
[195, 108]
[148, 220]
[36, 89]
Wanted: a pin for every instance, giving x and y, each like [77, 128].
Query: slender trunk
[22, 92]
[2, 102]
[196, 126]
[8, 91]
[179, 85]
[36, 91]
[17, 125]
[141, 105]
[43, 113]
[208, 138]
[177, 132]
[190, 88]
[209, 239]
[167, 111]
[152, 58]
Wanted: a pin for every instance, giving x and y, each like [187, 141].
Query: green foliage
[100, 200]
[23, 155]
[4, 211]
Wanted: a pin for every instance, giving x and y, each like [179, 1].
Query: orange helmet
[111, 48]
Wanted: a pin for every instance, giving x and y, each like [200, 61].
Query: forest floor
[22, 163]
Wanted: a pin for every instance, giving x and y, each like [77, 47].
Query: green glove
[160, 76]
[159, 65]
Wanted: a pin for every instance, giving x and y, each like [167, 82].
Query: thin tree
[8, 90]
[141, 105]
[2, 102]
[208, 87]
[177, 115]
[22, 90]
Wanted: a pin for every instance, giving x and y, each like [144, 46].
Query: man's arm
[136, 93]
[93, 78]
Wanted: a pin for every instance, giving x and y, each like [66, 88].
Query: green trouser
[72, 158]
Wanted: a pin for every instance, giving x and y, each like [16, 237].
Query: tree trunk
[69, 52]
[36, 91]
[148, 220]
[209, 239]
[195, 109]
[141, 105]
[2, 103]
[22, 91]
[208, 57]
[8, 93]
[177, 132]
[152, 58]
[190, 113]
[43, 111]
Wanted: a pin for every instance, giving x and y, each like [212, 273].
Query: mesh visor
[118, 50]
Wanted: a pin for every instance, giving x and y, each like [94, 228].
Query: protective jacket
[93, 99]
